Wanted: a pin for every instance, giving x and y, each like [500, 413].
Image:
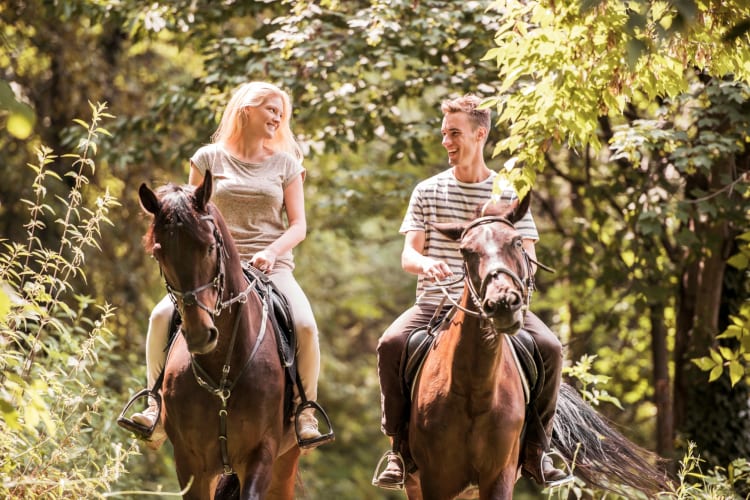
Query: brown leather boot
[541, 468]
[392, 477]
[308, 425]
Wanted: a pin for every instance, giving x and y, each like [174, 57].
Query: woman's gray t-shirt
[250, 197]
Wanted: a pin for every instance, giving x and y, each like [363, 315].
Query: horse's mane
[177, 210]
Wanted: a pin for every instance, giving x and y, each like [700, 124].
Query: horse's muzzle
[201, 344]
[509, 301]
[505, 310]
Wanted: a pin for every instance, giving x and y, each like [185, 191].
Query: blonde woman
[255, 163]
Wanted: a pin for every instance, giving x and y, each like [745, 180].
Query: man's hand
[435, 270]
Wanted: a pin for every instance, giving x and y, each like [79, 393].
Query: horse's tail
[599, 454]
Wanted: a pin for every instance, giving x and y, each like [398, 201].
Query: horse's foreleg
[284, 475]
[413, 488]
[501, 488]
[256, 477]
[199, 485]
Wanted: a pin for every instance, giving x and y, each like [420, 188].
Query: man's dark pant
[394, 403]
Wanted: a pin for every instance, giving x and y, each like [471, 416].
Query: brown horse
[224, 386]
[468, 410]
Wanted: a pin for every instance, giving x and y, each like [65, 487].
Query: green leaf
[21, 117]
[727, 353]
[704, 363]
[736, 372]
[4, 305]
[739, 261]
[716, 356]
[716, 373]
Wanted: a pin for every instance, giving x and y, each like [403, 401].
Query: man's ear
[482, 134]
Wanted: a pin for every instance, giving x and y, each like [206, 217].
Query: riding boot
[541, 468]
[308, 425]
[392, 477]
[148, 418]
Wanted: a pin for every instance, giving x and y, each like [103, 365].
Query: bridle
[525, 283]
[190, 298]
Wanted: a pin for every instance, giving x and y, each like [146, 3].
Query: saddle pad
[415, 352]
[522, 346]
[280, 313]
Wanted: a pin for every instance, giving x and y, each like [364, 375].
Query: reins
[527, 284]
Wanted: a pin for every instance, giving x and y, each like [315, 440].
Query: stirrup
[317, 441]
[566, 467]
[384, 459]
[140, 430]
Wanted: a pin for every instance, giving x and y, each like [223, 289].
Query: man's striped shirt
[442, 198]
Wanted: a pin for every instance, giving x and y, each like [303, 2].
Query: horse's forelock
[177, 211]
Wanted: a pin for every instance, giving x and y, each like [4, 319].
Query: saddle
[525, 353]
[280, 315]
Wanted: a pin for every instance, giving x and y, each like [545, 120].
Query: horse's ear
[452, 230]
[149, 201]
[520, 208]
[203, 192]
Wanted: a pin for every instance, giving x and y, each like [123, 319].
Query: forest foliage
[630, 121]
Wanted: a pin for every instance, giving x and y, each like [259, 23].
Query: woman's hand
[264, 260]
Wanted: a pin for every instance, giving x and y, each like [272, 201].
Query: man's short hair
[468, 104]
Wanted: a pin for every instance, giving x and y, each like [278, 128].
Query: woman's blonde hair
[254, 94]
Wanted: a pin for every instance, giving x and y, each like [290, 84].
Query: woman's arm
[194, 177]
[294, 203]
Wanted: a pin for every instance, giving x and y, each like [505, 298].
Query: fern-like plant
[56, 431]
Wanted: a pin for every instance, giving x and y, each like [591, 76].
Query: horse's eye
[211, 249]
[518, 243]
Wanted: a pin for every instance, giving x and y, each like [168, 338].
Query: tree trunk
[662, 400]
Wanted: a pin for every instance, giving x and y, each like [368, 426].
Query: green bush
[57, 436]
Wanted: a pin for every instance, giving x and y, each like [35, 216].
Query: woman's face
[265, 119]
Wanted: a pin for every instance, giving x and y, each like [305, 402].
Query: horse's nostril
[213, 334]
[515, 300]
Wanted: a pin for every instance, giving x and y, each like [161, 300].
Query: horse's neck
[477, 354]
[236, 331]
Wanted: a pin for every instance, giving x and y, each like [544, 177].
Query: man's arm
[414, 261]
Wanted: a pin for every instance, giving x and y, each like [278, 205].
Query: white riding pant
[308, 348]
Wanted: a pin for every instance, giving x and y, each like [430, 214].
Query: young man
[452, 196]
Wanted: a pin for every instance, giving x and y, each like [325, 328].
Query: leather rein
[526, 283]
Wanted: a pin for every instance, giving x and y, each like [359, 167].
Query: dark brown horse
[468, 409]
[223, 388]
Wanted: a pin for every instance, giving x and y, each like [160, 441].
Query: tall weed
[56, 430]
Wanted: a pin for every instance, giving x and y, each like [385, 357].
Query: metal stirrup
[384, 459]
[554, 484]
